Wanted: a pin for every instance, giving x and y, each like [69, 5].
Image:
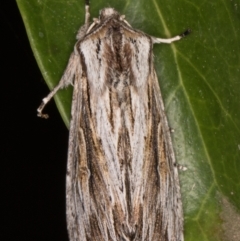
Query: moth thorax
[108, 12]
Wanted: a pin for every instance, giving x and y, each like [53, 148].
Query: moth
[122, 178]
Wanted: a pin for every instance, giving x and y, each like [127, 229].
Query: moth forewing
[122, 181]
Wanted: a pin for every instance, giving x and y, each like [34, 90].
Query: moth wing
[74, 206]
[169, 193]
[91, 209]
[86, 184]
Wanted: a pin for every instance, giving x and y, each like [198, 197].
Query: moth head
[107, 13]
[111, 12]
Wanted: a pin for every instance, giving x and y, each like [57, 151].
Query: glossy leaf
[200, 81]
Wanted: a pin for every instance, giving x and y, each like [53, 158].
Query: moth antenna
[87, 13]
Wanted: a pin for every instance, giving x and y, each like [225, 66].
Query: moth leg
[170, 40]
[71, 69]
[66, 79]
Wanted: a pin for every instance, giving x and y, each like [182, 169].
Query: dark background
[33, 150]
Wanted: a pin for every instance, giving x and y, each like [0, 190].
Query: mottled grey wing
[171, 220]
[121, 182]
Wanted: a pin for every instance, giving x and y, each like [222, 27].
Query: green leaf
[200, 81]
